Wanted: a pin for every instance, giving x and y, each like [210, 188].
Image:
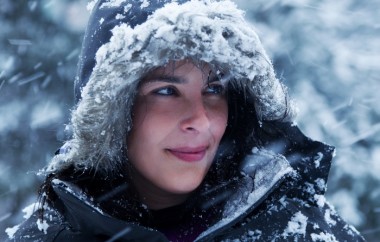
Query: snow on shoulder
[11, 231]
[28, 211]
[296, 226]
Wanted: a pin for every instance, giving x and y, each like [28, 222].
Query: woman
[182, 133]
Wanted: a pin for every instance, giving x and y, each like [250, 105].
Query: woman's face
[179, 116]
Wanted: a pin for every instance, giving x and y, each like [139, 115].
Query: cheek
[136, 135]
[151, 120]
[147, 115]
[219, 121]
[138, 113]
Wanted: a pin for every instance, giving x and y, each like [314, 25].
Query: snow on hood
[147, 35]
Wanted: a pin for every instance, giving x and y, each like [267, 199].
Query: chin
[184, 187]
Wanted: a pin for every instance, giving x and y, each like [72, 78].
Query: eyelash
[216, 89]
[210, 89]
[166, 91]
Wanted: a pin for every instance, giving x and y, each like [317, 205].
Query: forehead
[180, 68]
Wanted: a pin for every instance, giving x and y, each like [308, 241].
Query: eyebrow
[177, 79]
[165, 78]
[213, 78]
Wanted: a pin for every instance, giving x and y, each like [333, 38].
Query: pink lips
[189, 154]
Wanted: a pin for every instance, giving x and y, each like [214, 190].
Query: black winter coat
[280, 198]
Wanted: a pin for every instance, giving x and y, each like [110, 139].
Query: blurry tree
[39, 49]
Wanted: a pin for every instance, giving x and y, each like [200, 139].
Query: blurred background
[326, 52]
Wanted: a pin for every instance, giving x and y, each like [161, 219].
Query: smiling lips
[189, 154]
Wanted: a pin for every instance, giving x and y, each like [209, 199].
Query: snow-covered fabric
[126, 39]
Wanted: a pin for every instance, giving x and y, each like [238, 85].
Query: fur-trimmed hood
[125, 39]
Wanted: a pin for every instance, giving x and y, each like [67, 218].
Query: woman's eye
[217, 89]
[165, 91]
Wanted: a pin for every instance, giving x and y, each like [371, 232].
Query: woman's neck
[154, 197]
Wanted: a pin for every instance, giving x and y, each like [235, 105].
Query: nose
[195, 118]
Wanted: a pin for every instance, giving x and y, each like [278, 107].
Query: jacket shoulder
[296, 210]
[38, 226]
[290, 219]
[309, 158]
[73, 217]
